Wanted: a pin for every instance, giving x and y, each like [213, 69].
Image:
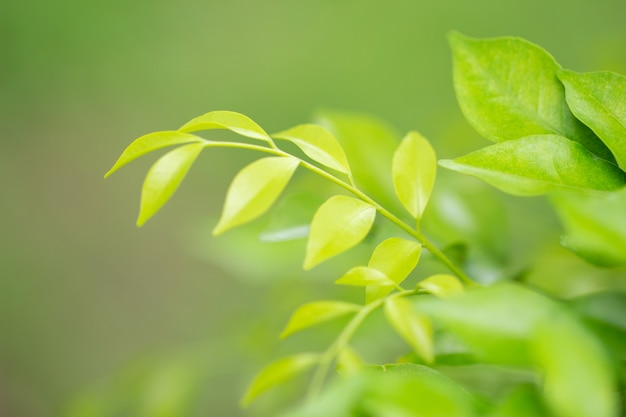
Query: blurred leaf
[414, 327]
[369, 144]
[279, 372]
[608, 307]
[317, 312]
[232, 121]
[595, 225]
[396, 258]
[597, 99]
[318, 144]
[507, 89]
[348, 361]
[338, 225]
[151, 142]
[441, 285]
[578, 379]
[522, 401]
[414, 167]
[291, 218]
[538, 164]
[254, 189]
[164, 177]
[362, 276]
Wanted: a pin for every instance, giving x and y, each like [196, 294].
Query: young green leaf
[413, 326]
[317, 312]
[318, 144]
[164, 177]
[254, 189]
[538, 164]
[338, 225]
[595, 225]
[235, 122]
[441, 285]
[414, 167]
[277, 373]
[151, 142]
[396, 258]
[597, 99]
[362, 276]
[507, 89]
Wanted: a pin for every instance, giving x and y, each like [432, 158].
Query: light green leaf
[507, 89]
[595, 225]
[414, 167]
[318, 144]
[164, 177]
[254, 189]
[279, 372]
[413, 326]
[151, 142]
[348, 361]
[538, 164]
[338, 225]
[597, 99]
[317, 312]
[362, 276]
[396, 258]
[235, 122]
[441, 285]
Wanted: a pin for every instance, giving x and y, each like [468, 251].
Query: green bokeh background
[84, 294]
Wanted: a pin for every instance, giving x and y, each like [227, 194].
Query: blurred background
[97, 316]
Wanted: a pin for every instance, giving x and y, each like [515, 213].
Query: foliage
[556, 132]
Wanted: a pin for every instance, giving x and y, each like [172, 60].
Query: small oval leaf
[317, 312]
[254, 189]
[164, 177]
[441, 285]
[278, 372]
[414, 327]
[235, 122]
[413, 168]
[318, 144]
[538, 164]
[151, 142]
[338, 225]
[362, 276]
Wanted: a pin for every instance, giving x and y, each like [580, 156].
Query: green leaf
[317, 312]
[338, 225]
[597, 99]
[279, 372]
[254, 189]
[595, 225]
[507, 89]
[164, 177]
[362, 276]
[414, 167]
[413, 326]
[522, 401]
[235, 122]
[151, 142]
[441, 285]
[538, 164]
[396, 258]
[348, 361]
[318, 144]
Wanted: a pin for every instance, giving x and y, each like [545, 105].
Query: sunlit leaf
[595, 225]
[414, 167]
[597, 99]
[318, 144]
[317, 312]
[164, 177]
[338, 225]
[362, 276]
[413, 326]
[507, 89]
[279, 372]
[151, 142]
[538, 164]
[396, 258]
[254, 189]
[235, 122]
[348, 361]
[441, 285]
